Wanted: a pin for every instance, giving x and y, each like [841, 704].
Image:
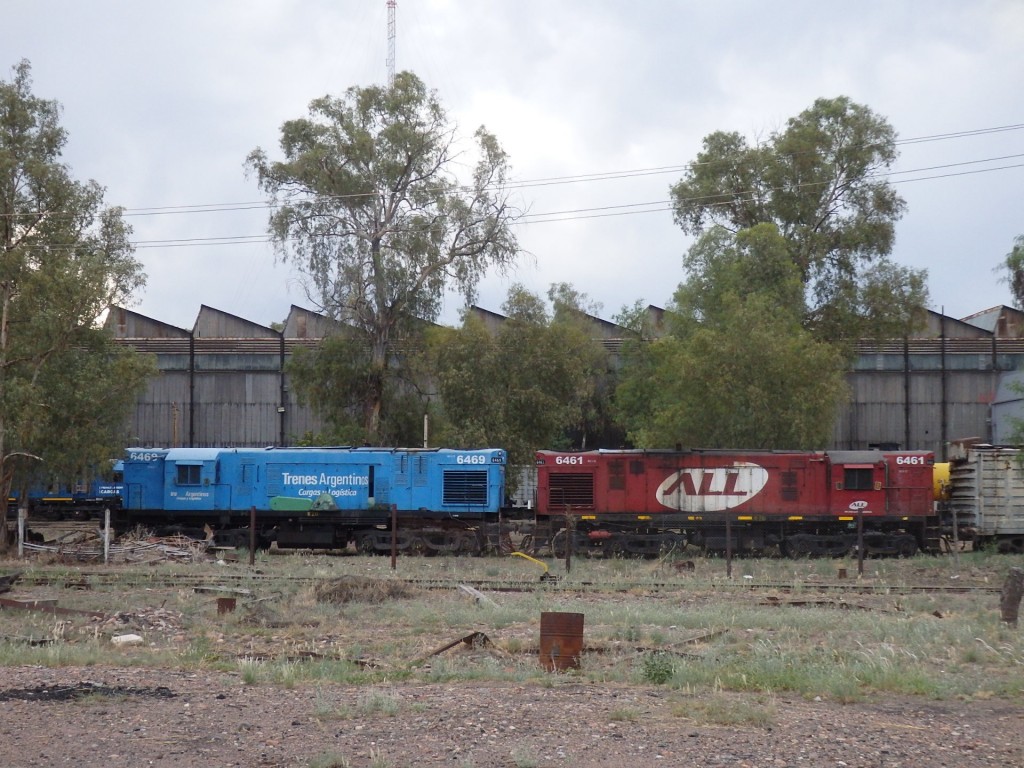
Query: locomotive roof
[193, 454]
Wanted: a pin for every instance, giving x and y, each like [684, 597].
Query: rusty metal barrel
[225, 605]
[561, 640]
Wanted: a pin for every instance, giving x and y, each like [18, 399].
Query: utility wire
[625, 209]
[530, 183]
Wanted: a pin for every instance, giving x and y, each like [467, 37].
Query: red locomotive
[637, 502]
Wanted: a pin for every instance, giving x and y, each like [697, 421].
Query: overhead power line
[656, 206]
[539, 182]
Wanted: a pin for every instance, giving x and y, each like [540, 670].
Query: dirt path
[131, 717]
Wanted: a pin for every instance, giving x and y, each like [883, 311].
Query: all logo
[712, 489]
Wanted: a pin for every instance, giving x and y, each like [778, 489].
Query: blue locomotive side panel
[291, 481]
[143, 478]
[340, 481]
[190, 480]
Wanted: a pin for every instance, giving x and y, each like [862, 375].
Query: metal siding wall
[235, 409]
[238, 392]
[876, 411]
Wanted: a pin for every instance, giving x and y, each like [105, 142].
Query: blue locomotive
[320, 497]
[81, 499]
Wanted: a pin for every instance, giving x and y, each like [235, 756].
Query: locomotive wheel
[366, 544]
[906, 546]
[799, 546]
[558, 543]
[526, 546]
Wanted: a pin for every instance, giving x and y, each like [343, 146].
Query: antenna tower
[391, 42]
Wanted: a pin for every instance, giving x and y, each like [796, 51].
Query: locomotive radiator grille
[571, 489]
[465, 487]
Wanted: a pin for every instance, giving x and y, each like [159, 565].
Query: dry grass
[362, 589]
[356, 621]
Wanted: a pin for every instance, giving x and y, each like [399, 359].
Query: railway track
[254, 581]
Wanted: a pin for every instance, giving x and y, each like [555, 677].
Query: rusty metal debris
[776, 602]
[7, 581]
[47, 606]
[473, 640]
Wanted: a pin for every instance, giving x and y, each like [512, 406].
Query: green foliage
[753, 382]
[336, 379]
[1013, 265]
[738, 369]
[64, 260]
[657, 667]
[521, 387]
[821, 182]
[370, 209]
[724, 268]
[637, 320]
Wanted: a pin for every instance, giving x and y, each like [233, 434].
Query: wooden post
[956, 540]
[106, 536]
[394, 537]
[570, 534]
[1013, 590]
[860, 543]
[252, 536]
[22, 514]
[728, 547]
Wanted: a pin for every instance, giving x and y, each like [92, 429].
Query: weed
[623, 715]
[522, 758]
[721, 710]
[249, 668]
[329, 760]
[657, 667]
[378, 703]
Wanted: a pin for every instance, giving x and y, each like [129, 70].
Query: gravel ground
[139, 717]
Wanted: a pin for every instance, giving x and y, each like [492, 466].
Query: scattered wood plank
[477, 595]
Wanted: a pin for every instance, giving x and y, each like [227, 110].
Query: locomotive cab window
[188, 474]
[858, 478]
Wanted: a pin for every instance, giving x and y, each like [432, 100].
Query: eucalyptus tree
[737, 369]
[370, 208]
[822, 181]
[1013, 265]
[65, 258]
[524, 386]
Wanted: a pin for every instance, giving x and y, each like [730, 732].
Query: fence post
[394, 537]
[728, 547]
[22, 514]
[1013, 590]
[252, 536]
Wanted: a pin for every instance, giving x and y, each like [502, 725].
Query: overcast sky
[163, 101]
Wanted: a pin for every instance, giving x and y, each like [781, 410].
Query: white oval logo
[858, 504]
[712, 490]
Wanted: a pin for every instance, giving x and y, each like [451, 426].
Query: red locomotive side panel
[706, 485]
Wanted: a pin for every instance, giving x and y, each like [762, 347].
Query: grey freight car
[986, 495]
